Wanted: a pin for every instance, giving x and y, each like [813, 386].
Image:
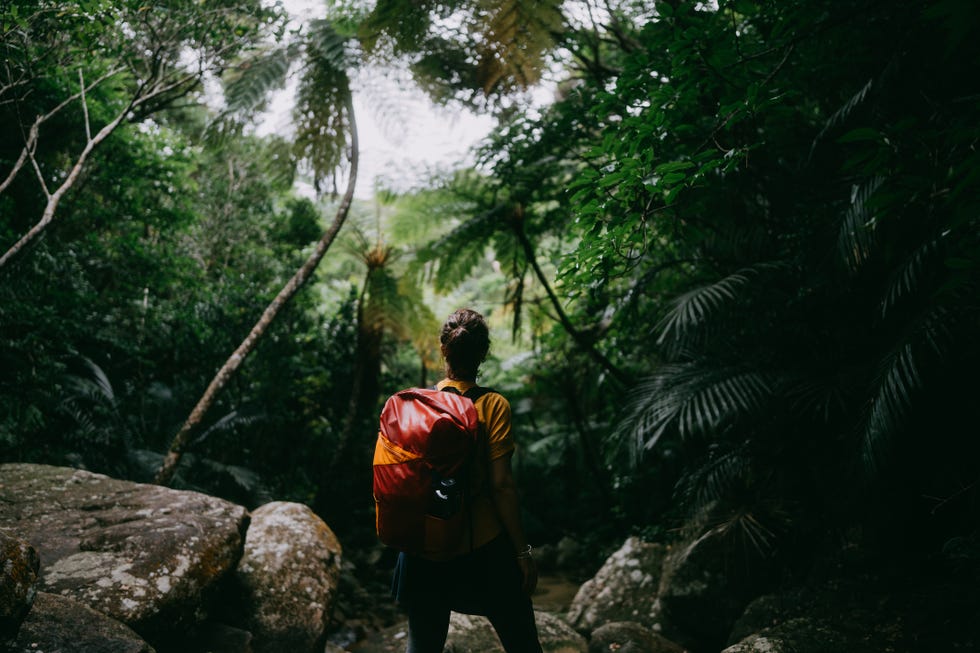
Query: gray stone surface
[630, 637]
[801, 635]
[19, 565]
[142, 554]
[62, 625]
[471, 634]
[624, 589]
[289, 575]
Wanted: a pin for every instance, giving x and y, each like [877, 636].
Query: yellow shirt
[493, 413]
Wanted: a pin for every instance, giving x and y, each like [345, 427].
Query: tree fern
[454, 255]
[322, 123]
[247, 86]
[518, 37]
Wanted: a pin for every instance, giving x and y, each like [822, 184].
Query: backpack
[425, 447]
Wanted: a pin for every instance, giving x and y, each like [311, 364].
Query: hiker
[492, 572]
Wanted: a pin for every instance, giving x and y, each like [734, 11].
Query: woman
[492, 573]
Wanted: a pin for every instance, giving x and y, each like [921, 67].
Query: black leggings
[486, 582]
[428, 626]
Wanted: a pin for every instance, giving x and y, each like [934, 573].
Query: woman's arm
[505, 499]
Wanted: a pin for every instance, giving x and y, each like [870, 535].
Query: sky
[402, 135]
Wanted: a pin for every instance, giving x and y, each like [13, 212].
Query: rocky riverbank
[92, 564]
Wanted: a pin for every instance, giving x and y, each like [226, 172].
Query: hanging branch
[580, 339]
[166, 472]
[151, 89]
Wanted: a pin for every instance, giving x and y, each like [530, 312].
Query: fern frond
[856, 237]
[322, 123]
[248, 85]
[454, 255]
[519, 36]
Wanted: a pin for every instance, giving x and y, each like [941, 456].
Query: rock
[569, 553]
[472, 634]
[143, 554]
[705, 585]
[222, 638]
[624, 589]
[630, 637]
[801, 635]
[63, 625]
[762, 612]
[289, 574]
[19, 565]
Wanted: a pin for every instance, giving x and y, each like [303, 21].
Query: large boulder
[624, 589]
[630, 637]
[472, 634]
[288, 576]
[707, 581]
[143, 554]
[802, 635]
[57, 623]
[19, 567]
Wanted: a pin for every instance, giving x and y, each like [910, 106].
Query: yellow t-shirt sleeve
[496, 416]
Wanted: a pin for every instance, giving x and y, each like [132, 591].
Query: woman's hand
[529, 569]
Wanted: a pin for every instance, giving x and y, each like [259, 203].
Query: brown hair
[465, 342]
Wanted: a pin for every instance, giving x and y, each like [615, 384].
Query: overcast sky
[401, 134]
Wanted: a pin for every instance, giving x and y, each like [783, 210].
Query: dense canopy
[731, 262]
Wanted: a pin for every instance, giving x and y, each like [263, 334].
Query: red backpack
[421, 461]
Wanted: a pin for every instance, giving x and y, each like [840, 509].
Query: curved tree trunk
[169, 466]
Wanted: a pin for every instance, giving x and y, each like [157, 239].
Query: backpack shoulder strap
[477, 391]
[472, 394]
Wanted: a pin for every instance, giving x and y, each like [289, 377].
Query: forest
[729, 252]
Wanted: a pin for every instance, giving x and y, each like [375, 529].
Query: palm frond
[714, 479]
[856, 237]
[842, 113]
[229, 421]
[100, 379]
[693, 399]
[817, 397]
[696, 307]
[930, 338]
[906, 279]
[891, 403]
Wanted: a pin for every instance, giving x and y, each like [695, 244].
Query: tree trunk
[576, 335]
[169, 466]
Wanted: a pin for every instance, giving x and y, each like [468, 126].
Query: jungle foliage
[732, 265]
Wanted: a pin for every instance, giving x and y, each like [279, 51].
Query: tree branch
[169, 467]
